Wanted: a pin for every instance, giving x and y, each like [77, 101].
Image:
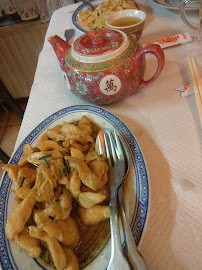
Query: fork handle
[134, 256]
[117, 260]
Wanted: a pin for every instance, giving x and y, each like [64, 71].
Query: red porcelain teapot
[105, 66]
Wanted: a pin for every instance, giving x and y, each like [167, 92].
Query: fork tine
[119, 147]
[113, 149]
[100, 148]
[107, 151]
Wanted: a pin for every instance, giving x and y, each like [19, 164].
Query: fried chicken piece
[43, 137]
[70, 129]
[45, 193]
[72, 132]
[86, 175]
[16, 174]
[80, 146]
[98, 165]
[65, 231]
[40, 218]
[39, 178]
[60, 209]
[23, 192]
[92, 156]
[91, 147]
[75, 184]
[27, 149]
[47, 145]
[17, 202]
[23, 161]
[77, 153]
[105, 191]
[16, 222]
[12, 170]
[60, 137]
[47, 174]
[85, 125]
[72, 261]
[29, 175]
[30, 244]
[83, 139]
[56, 165]
[70, 235]
[34, 157]
[89, 199]
[57, 253]
[53, 132]
[57, 192]
[95, 214]
[43, 188]
[66, 144]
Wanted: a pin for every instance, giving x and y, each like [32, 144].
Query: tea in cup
[130, 21]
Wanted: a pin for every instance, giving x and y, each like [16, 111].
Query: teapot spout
[60, 47]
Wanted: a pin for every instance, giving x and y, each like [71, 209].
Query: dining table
[165, 124]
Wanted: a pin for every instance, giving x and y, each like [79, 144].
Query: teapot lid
[99, 46]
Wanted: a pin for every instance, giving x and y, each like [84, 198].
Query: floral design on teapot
[105, 66]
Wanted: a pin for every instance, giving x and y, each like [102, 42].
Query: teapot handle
[158, 52]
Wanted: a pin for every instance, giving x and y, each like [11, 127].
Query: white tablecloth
[166, 126]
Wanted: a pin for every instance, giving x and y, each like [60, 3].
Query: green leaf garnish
[22, 181]
[62, 153]
[46, 162]
[65, 172]
[67, 162]
[59, 172]
[46, 156]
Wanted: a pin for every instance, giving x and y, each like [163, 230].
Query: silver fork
[116, 163]
[134, 257]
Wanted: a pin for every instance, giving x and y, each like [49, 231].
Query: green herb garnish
[22, 181]
[46, 162]
[65, 172]
[46, 156]
[59, 172]
[61, 153]
[67, 162]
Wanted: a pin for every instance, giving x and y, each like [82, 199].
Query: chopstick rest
[197, 83]
[186, 90]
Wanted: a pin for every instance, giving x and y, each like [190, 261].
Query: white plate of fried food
[54, 213]
[84, 20]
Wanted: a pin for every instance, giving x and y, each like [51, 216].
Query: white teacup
[130, 21]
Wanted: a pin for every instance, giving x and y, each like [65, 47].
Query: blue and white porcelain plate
[136, 189]
[83, 7]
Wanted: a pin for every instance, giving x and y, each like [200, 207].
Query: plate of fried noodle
[85, 20]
